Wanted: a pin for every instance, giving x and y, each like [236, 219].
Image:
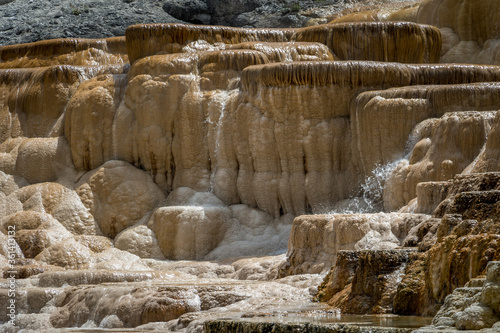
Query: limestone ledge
[468, 28]
[365, 282]
[69, 51]
[241, 326]
[315, 240]
[417, 43]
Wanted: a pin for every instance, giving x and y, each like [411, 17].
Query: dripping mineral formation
[155, 181]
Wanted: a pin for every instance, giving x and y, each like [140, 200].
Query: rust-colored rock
[76, 52]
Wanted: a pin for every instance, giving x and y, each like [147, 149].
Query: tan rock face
[445, 148]
[36, 106]
[488, 160]
[68, 254]
[462, 40]
[414, 104]
[77, 52]
[190, 232]
[466, 240]
[40, 160]
[139, 240]
[474, 306]
[35, 231]
[458, 15]
[315, 240]
[490, 294]
[56, 200]
[94, 105]
[118, 196]
[374, 283]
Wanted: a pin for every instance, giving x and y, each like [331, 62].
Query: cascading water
[215, 120]
[372, 191]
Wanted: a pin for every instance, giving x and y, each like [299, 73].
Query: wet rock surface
[452, 250]
[244, 327]
[316, 240]
[371, 279]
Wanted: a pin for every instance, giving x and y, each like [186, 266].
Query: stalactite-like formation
[77, 52]
[149, 39]
[388, 41]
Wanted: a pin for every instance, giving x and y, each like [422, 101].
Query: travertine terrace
[148, 181]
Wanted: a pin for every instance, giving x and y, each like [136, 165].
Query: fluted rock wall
[402, 42]
[468, 28]
[77, 52]
[227, 111]
[239, 143]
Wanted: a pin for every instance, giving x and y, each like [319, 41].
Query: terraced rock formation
[151, 180]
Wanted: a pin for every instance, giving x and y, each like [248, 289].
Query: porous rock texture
[474, 306]
[454, 247]
[192, 142]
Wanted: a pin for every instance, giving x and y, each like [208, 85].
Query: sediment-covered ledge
[294, 51]
[230, 326]
[230, 59]
[149, 39]
[388, 41]
[364, 74]
[380, 41]
[64, 52]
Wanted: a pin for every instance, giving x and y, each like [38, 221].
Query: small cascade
[372, 190]
[373, 187]
[215, 120]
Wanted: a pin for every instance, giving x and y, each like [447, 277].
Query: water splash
[371, 200]
[215, 120]
[373, 187]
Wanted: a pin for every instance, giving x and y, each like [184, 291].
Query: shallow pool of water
[330, 317]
